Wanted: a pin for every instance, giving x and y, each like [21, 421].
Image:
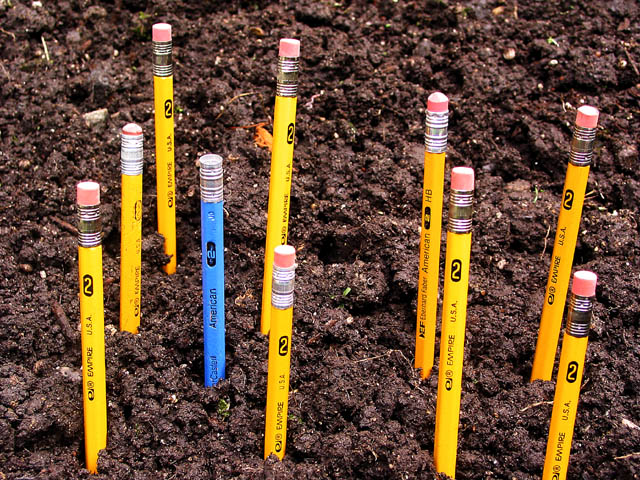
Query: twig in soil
[628, 455]
[546, 238]
[46, 50]
[232, 100]
[12, 35]
[374, 453]
[66, 225]
[376, 357]
[5, 71]
[63, 321]
[548, 402]
[633, 64]
[590, 194]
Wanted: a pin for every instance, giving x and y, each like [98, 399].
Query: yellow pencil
[435, 147]
[564, 246]
[131, 161]
[284, 127]
[275, 435]
[454, 314]
[572, 355]
[165, 146]
[94, 386]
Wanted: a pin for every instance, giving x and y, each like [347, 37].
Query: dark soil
[357, 407]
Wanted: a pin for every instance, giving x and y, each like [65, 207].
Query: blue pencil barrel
[212, 242]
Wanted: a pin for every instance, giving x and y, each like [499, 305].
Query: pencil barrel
[94, 391]
[165, 166]
[454, 312]
[213, 295]
[279, 195]
[275, 438]
[565, 406]
[131, 253]
[429, 266]
[559, 271]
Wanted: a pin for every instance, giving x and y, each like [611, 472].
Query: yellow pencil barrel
[284, 128]
[437, 121]
[570, 371]
[275, 437]
[94, 391]
[165, 145]
[565, 243]
[454, 313]
[131, 228]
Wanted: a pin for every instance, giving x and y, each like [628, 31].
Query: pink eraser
[462, 179]
[284, 256]
[88, 194]
[161, 32]
[131, 129]
[584, 283]
[587, 117]
[437, 102]
[289, 47]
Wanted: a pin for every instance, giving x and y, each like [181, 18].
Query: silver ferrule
[89, 226]
[287, 76]
[131, 155]
[211, 178]
[460, 211]
[579, 315]
[435, 136]
[282, 287]
[582, 146]
[162, 61]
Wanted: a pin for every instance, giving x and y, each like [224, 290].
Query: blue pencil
[211, 221]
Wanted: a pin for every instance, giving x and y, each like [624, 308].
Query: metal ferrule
[131, 156]
[287, 76]
[211, 183]
[435, 136]
[282, 287]
[460, 211]
[582, 146]
[89, 226]
[579, 315]
[162, 61]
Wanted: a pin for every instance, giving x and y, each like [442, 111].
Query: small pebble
[97, 118]
[71, 374]
[509, 54]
